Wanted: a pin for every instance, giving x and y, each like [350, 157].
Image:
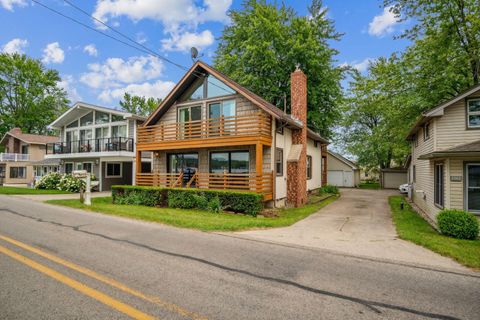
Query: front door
[183, 162]
[473, 187]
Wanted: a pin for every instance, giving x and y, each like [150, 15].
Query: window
[18, 172]
[113, 170]
[473, 113]
[101, 132]
[278, 127]
[116, 118]
[309, 167]
[426, 131]
[86, 120]
[279, 162]
[198, 90]
[473, 187]
[414, 173]
[438, 182]
[88, 166]
[85, 135]
[101, 117]
[415, 140]
[230, 162]
[73, 124]
[216, 88]
[24, 149]
[119, 131]
[225, 108]
[68, 167]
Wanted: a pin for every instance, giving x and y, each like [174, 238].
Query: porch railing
[256, 124]
[15, 157]
[91, 145]
[217, 181]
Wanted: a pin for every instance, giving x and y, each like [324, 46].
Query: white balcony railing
[14, 157]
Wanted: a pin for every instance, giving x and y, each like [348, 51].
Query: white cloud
[15, 46]
[383, 23]
[116, 71]
[68, 84]
[157, 89]
[8, 4]
[186, 40]
[171, 13]
[53, 53]
[362, 66]
[91, 50]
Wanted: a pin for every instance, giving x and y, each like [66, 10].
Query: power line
[143, 48]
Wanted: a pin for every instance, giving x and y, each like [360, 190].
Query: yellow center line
[95, 294]
[107, 280]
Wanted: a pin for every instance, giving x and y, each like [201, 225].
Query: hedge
[458, 224]
[213, 200]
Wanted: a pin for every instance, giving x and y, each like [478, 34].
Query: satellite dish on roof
[194, 53]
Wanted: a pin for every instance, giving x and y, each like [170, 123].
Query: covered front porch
[239, 168]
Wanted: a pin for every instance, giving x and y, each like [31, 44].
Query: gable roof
[79, 109]
[29, 138]
[200, 69]
[439, 110]
[339, 157]
[464, 150]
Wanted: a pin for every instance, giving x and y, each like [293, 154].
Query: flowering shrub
[58, 181]
[71, 184]
[49, 181]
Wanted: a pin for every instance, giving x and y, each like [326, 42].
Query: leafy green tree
[30, 97]
[139, 105]
[375, 121]
[264, 42]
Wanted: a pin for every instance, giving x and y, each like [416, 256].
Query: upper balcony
[90, 146]
[224, 131]
[14, 157]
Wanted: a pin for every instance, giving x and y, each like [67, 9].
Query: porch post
[259, 166]
[138, 164]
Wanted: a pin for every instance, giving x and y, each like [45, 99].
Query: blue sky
[98, 70]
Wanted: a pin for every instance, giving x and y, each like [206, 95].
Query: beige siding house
[445, 156]
[23, 152]
[341, 171]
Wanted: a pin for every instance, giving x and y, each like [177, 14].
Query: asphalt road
[58, 263]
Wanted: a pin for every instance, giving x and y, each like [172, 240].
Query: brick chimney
[297, 159]
[15, 131]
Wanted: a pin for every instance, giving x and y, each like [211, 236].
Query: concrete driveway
[358, 223]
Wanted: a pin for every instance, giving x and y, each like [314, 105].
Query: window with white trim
[309, 167]
[438, 182]
[426, 131]
[113, 170]
[473, 113]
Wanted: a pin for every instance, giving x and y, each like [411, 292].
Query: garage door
[340, 178]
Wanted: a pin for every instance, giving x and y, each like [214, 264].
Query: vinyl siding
[452, 126]
[316, 154]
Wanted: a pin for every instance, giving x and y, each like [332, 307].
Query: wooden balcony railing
[218, 181]
[257, 124]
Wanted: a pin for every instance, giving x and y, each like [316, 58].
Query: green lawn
[18, 190]
[412, 227]
[369, 185]
[195, 219]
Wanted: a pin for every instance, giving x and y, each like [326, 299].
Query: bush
[69, 183]
[212, 200]
[146, 196]
[50, 181]
[458, 224]
[329, 189]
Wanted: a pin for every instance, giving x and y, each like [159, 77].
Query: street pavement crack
[372, 305]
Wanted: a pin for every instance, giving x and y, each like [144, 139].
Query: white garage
[341, 171]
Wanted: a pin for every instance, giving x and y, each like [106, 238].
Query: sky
[98, 70]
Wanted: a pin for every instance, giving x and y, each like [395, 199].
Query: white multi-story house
[99, 140]
[445, 160]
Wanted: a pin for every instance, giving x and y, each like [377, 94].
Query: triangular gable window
[215, 88]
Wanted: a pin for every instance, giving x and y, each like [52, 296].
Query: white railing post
[16, 157]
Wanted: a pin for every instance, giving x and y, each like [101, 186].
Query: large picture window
[18, 172]
[473, 113]
[230, 162]
[473, 187]
[438, 182]
[86, 120]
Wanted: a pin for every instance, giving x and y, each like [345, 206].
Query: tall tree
[139, 105]
[30, 97]
[448, 25]
[264, 42]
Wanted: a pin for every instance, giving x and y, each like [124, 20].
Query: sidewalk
[45, 197]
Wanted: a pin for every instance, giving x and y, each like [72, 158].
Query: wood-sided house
[444, 167]
[210, 132]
